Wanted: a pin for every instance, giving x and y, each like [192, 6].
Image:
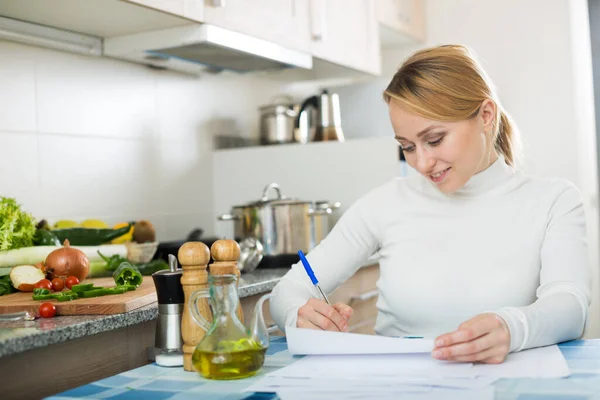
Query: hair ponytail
[506, 141]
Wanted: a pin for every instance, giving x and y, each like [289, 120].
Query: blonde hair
[446, 83]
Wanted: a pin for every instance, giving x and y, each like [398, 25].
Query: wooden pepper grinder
[225, 253]
[194, 258]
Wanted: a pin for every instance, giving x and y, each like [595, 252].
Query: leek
[36, 254]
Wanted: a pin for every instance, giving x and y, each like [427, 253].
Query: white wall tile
[19, 170]
[94, 96]
[184, 180]
[86, 177]
[17, 88]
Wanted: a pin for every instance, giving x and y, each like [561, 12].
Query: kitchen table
[152, 382]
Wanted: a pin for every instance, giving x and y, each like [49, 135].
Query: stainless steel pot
[281, 122]
[277, 123]
[282, 225]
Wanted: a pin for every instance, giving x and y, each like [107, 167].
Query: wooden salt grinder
[225, 253]
[194, 258]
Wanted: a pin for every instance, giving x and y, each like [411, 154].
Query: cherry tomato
[71, 280]
[47, 310]
[43, 284]
[58, 284]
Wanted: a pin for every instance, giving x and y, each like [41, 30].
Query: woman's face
[446, 153]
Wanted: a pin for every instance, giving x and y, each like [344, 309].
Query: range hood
[203, 47]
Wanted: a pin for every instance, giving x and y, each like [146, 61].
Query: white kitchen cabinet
[345, 32]
[99, 18]
[284, 22]
[401, 21]
[192, 9]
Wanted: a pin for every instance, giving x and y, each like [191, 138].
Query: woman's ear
[487, 113]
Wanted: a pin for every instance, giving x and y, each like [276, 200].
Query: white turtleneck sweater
[504, 243]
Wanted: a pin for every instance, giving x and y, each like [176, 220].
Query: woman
[487, 259]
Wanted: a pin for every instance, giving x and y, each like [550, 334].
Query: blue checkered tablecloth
[152, 382]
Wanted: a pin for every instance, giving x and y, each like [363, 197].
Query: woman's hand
[484, 338]
[317, 314]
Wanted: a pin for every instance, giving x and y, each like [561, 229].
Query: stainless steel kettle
[329, 121]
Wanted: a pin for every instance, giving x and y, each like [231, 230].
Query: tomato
[47, 310]
[43, 284]
[72, 280]
[58, 284]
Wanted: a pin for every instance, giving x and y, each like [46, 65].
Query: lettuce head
[16, 226]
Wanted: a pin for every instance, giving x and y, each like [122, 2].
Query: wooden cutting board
[110, 304]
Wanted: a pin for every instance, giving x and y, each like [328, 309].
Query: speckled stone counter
[19, 336]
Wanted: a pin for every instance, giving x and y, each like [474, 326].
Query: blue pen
[311, 275]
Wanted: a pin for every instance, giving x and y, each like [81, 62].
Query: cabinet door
[345, 32]
[404, 17]
[284, 22]
[192, 9]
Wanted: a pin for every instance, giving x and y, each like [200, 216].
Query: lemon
[126, 237]
[94, 223]
[65, 223]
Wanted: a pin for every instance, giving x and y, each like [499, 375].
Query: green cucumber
[89, 236]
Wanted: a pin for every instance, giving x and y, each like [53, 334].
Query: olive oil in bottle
[231, 360]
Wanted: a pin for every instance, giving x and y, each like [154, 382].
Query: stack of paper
[355, 366]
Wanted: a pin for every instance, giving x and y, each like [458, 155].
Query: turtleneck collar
[491, 180]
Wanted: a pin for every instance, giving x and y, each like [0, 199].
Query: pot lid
[280, 198]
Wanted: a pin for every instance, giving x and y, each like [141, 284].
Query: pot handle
[335, 205]
[227, 217]
[323, 204]
[269, 187]
[320, 211]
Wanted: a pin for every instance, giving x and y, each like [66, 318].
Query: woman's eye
[435, 142]
[408, 149]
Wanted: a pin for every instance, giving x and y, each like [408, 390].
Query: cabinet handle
[365, 296]
[272, 328]
[218, 3]
[318, 21]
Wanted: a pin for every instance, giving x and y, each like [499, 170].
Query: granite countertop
[19, 336]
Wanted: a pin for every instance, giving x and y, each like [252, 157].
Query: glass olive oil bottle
[228, 350]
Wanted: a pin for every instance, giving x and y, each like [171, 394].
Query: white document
[400, 384]
[541, 362]
[310, 341]
[391, 366]
[433, 394]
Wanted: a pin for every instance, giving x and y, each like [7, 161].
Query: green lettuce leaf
[16, 226]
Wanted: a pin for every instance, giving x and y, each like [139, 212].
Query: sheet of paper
[401, 384]
[374, 366]
[541, 362]
[310, 341]
[274, 384]
[433, 394]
